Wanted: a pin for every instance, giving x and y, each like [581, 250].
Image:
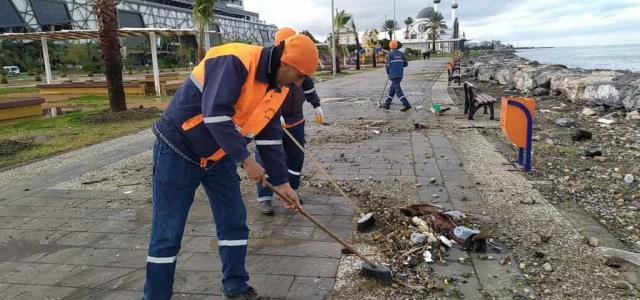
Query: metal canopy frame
[93, 34]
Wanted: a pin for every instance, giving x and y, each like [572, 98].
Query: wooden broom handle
[314, 221]
[321, 169]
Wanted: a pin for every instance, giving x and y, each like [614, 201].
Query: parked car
[12, 70]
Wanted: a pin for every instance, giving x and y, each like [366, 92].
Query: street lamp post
[333, 41]
[394, 20]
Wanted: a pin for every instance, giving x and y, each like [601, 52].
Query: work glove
[319, 115]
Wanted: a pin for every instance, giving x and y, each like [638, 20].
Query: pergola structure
[152, 33]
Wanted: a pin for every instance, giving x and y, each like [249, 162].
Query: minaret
[454, 10]
[436, 5]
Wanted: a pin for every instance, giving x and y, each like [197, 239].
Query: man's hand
[319, 115]
[286, 189]
[253, 170]
[282, 122]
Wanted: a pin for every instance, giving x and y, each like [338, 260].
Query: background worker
[293, 121]
[396, 62]
[233, 96]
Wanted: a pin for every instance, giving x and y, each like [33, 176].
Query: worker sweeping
[396, 62]
[293, 120]
[232, 97]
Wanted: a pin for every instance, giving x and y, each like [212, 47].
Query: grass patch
[103, 101]
[15, 90]
[27, 140]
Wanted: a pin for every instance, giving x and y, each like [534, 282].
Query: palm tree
[352, 27]
[105, 10]
[203, 16]
[435, 22]
[390, 26]
[341, 22]
[408, 22]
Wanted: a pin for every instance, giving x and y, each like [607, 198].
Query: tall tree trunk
[200, 45]
[110, 52]
[337, 62]
[433, 45]
[357, 54]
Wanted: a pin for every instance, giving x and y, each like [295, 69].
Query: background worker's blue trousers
[174, 184]
[295, 161]
[396, 90]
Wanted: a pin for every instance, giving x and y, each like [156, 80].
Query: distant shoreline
[526, 48]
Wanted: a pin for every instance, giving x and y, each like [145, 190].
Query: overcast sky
[519, 22]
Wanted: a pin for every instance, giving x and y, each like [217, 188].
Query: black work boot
[249, 294]
[408, 107]
[385, 106]
[266, 207]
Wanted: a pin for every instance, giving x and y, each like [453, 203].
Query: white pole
[154, 60]
[45, 55]
[333, 41]
[394, 20]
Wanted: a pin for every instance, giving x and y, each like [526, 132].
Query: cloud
[535, 22]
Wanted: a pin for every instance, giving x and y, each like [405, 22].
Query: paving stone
[198, 282]
[310, 288]
[320, 235]
[307, 266]
[295, 248]
[86, 276]
[35, 292]
[117, 226]
[201, 244]
[41, 237]
[12, 222]
[276, 286]
[115, 214]
[454, 175]
[49, 212]
[58, 224]
[98, 257]
[108, 240]
[497, 279]
[263, 264]
[470, 287]
[45, 201]
[201, 262]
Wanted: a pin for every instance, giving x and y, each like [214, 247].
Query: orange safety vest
[255, 106]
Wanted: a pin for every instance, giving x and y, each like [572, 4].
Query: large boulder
[621, 92]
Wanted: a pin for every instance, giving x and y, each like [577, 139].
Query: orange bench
[453, 71]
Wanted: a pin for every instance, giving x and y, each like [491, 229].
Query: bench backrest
[469, 89]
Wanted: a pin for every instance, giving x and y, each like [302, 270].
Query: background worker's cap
[393, 44]
[301, 53]
[283, 33]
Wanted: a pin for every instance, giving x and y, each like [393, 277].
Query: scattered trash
[464, 233]
[631, 257]
[427, 256]
[522, 266]
[566, 122]
[94, 181]
[128, 192]
[538, 254]
[433, 180]
[588, 111]
[455, 215]
[376, 131]
[545, 238]
[420, 126]
[446, 241]
[592, 153]
[629, 178]
[446, 281]
[581, 134]
[418, 238]
[547, 267]
[605, 121]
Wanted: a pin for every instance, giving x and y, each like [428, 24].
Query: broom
[366, 221]
[369, 269]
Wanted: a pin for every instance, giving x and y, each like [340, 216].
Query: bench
[453, 72]
[473, 101]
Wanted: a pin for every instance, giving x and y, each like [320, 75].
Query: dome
[425, 13]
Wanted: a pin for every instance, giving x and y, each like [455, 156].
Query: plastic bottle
[464, 232]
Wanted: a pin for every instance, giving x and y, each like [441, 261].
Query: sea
[615, 57]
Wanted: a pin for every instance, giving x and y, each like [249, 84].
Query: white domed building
[417, 38]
